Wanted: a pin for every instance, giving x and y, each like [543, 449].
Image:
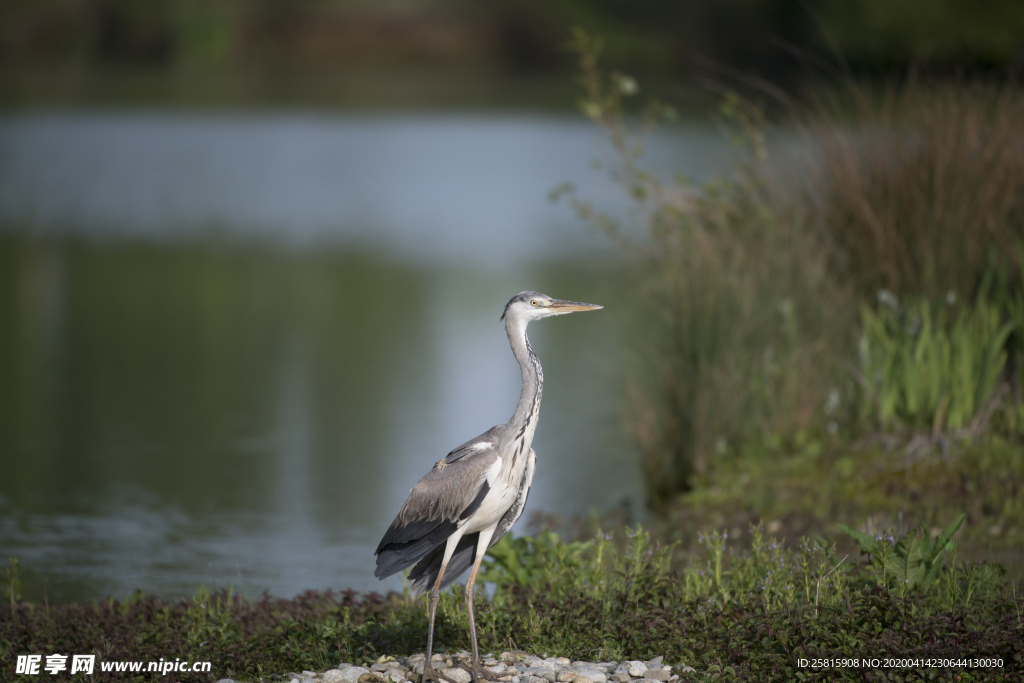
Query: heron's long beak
[558, 307]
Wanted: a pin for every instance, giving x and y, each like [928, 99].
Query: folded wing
[439, 502]
[424, 574]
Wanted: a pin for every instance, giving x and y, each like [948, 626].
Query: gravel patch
[507, 667]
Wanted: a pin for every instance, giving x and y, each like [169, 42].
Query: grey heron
[473, 495]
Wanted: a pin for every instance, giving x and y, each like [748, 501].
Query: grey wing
[424, 574]
[445, 496]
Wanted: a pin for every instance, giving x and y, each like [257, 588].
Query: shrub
[753, 280]
[746, 317]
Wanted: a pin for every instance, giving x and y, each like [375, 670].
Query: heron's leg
[435, 596]
[481, 549]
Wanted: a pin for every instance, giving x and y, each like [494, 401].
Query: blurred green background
[252, 255]
[458, 53]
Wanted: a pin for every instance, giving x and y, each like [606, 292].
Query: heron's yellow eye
[533, 303]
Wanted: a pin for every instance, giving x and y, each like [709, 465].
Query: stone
[636, 669]
[658, 674]
[334, 676]
[562, 661]
[372, 677]
[620, 678]
[226, 680]
[490, 661]
[549, 676]
[496, 668]
[655, 663]
[512, 670]
[456, 675]
[565, 676]
[582, 679]
[596, 675]
[349, 674]
[308, 680]
[417, 665]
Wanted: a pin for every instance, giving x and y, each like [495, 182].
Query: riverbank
[758, 611]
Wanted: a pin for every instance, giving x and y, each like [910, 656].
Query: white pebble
[636, 669]
[457, 675]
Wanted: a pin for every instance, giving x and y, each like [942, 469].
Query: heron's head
[529, 306]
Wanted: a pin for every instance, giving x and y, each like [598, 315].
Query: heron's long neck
[533, 378]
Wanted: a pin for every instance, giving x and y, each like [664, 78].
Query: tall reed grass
[755, 280]
[915, 187]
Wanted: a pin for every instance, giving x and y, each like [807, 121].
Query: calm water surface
[229, 345]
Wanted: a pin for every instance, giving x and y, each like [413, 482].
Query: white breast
[498, 500]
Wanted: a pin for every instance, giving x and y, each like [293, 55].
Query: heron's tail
[424, 574]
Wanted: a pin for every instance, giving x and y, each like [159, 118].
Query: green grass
[737, 613]
[810, 484]
[925, 372]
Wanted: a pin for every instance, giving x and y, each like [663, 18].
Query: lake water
[230, 344]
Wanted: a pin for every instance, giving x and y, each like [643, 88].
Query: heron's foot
[430, 675]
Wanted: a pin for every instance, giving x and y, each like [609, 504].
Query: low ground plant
[748, 611]
[799, 486]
